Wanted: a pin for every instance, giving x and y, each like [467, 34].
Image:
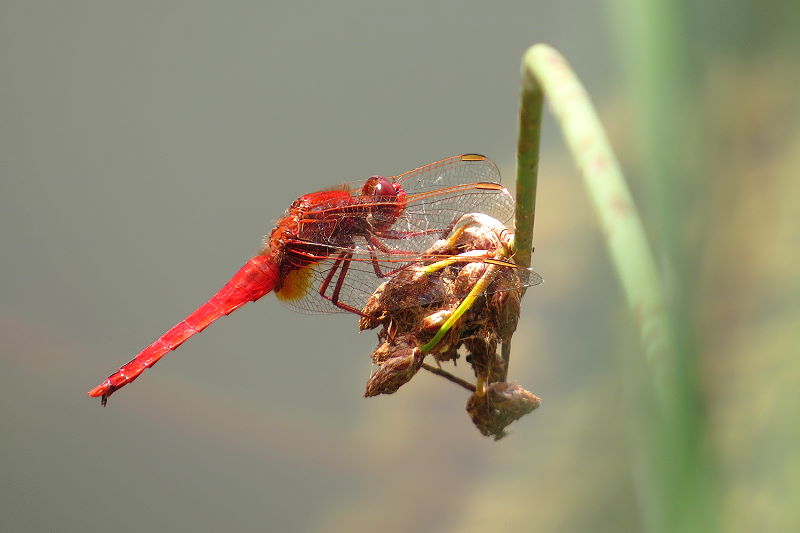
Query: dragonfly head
[381, 189]
[385, 200]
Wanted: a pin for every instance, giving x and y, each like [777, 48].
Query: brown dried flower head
[463, 297]
[500, 404]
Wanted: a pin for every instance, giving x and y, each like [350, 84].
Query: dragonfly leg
[342, 264]
[336, 264]
[374, 241]
[342, 273]
[377, 267]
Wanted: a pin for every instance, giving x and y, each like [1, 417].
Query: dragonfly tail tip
[103, 390]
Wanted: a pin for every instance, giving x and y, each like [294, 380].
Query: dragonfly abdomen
[256, 278]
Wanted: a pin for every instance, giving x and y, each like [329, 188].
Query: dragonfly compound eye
[383, 202]
[380, 188]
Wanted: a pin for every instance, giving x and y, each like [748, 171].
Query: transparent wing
[361, 280]
[438, 194]
[441, 192]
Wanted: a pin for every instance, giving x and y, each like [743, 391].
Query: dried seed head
[416, 302]
[397, 346]
[500, 405]
[468, 275]
[505, 303]
[433, 321]
[485, 360]
[373, 310]
[395, 371]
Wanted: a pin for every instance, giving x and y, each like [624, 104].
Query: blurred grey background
[145, 149]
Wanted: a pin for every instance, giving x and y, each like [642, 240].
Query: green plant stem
[608, 192]
[528, 142]
[530, 128]
[664, 79]
[678, 495]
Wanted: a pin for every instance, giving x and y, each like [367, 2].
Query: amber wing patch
[295, 284]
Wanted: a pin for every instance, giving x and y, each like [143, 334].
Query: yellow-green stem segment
[462, 308]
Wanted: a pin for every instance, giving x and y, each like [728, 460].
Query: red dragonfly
[333, 248]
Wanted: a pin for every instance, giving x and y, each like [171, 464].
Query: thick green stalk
[545, 71]
[530, 128]
[662, 60]
[678, 495]
[528, 141]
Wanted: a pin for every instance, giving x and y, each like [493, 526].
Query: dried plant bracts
[465, 300]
